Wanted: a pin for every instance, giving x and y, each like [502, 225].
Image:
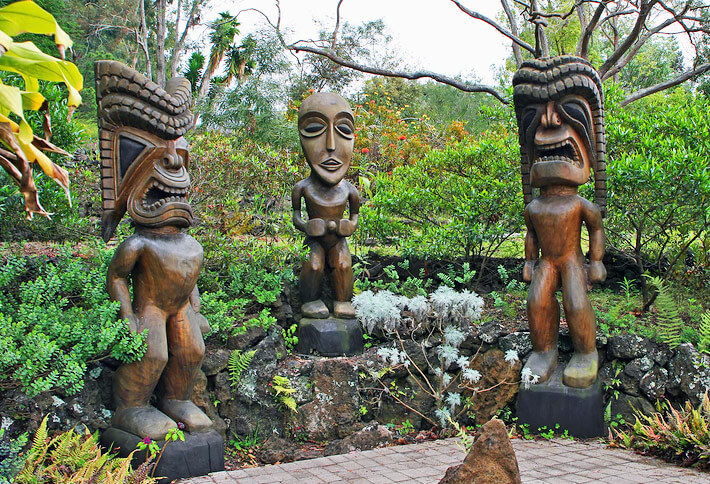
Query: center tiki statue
[327, 132]
[558, 104]
[144, 172]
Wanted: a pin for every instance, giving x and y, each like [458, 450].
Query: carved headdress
[553, 79]
[143, 155]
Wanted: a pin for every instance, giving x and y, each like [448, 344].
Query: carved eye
[128, 150]
[527, 119]
[345, 129]
[577, 113]
[314, 127]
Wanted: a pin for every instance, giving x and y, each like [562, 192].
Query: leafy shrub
[463, 199]
[659, 184]
[55, 316]
[678, 435]
[71, 457]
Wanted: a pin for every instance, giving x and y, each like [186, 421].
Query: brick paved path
[558, 461]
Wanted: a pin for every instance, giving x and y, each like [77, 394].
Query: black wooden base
[580, 411]
[198, 455]
[330, 337]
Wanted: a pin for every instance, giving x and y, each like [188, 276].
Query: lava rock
[689, 373]
[333, 412]
[624, 407]
[494, 369]
[366, 439]
[491, 459]
[653, 384]
[519, 341]
[638, 367]
[627, 347]
[216, 360]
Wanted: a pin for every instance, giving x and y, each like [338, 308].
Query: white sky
[427, 34]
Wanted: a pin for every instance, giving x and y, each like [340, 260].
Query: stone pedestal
[198, 455]
[580, 411]
[330, 337]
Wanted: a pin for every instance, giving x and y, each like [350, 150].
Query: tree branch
[701, 69]
[462, 86]
[645, 10]
[583, 45]
[514, 30]
[496, 26]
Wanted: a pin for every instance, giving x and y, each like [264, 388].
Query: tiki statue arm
[315, 227]
[346, 227]
[593, 220]
[532, 248]
[120, 268]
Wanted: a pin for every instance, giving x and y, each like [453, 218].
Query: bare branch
[583, 45]
[334, 39]
[466, 87]
[496, 26]
[701, 69]
[514, 30]
[645, 10]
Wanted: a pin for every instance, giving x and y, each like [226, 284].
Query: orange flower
[365, 150]
[402, 137]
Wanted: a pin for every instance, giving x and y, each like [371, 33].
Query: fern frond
[670, 325]
[704, 333]
[289, 402]
[39, 442]
[238, 362]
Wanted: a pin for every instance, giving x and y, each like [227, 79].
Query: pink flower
[147, 440]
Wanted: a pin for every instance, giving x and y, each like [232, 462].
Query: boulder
[520, 342]
[627, 347]
[689, 372]
[275, 450]
[494, 370]
[366, 439]
[216, 360]
[653, 384]
[638, 367]
[333, 413]
[624, 407]
[491, 459]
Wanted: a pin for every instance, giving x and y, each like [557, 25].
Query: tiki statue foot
[542, 364]
[581, 371]
[143, 422]
[343, 309]
[188, 413]
[315, 309]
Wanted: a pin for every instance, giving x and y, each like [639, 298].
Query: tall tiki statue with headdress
[143, 166]
[559, 110]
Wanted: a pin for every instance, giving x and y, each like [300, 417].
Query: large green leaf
[27, 16]
[26, 59]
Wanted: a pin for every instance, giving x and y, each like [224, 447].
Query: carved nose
[550, 117]
[330, 138]
[172, 161]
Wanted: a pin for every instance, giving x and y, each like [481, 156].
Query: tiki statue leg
[134, 383]
[544, 320]
[187, 350]
[581, 371]
[310, 281]
[340, 260]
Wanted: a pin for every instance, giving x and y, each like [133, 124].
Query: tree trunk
[144, 40]
[160, 44]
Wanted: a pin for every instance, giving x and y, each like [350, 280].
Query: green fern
[281, 387]
[670, 326]
[238, 362]
[704, 333]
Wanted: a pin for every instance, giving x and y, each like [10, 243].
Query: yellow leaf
[26, 16]
[31, 83]
[57, 173]
[26, 59]
[11, 102]
[32, 100]
[5, 40]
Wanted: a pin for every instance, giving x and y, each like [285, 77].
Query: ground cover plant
[679, 435]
